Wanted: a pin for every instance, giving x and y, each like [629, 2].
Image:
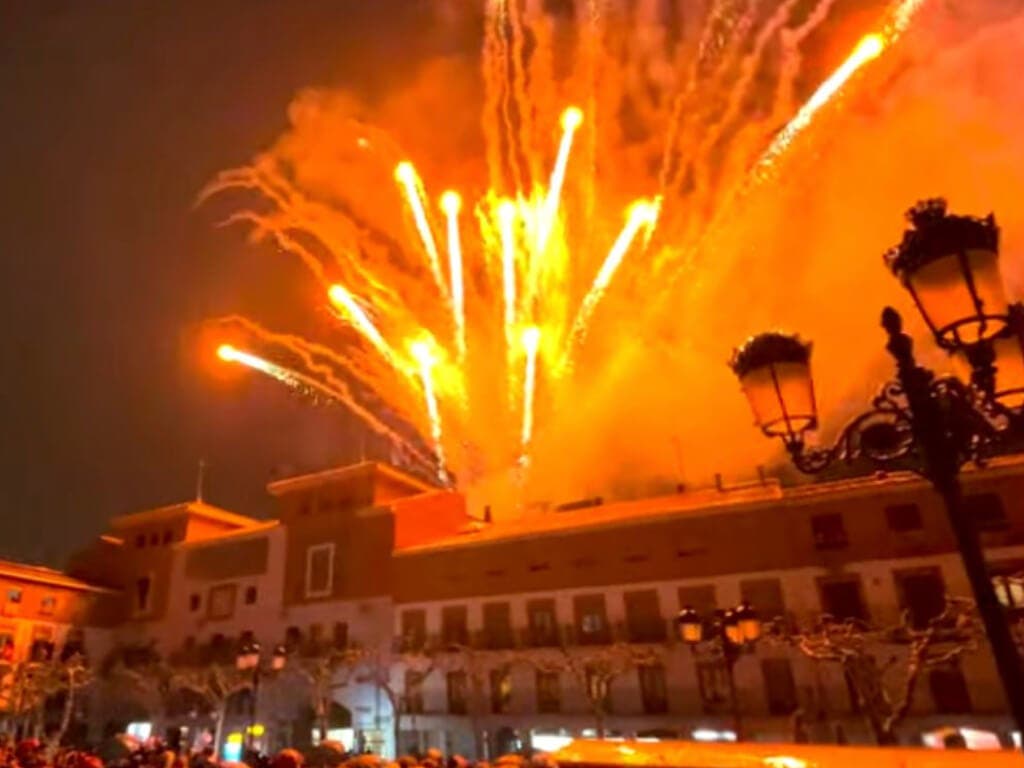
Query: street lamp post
[930, 424]
[248, 660]
[729, 633]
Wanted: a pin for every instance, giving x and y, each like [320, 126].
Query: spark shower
[502, 304]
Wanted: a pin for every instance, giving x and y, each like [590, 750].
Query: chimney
[761, 475]
[487, 513]
[718, 482]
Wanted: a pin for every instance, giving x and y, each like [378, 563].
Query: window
[414, 691]
[842, 598]
[949, 690]
[250, 595]
[643, 617]
[194, 602]
[340, 635]
[501, 691]
[143, 594]
[154, 539]
[246, 638]
[140, 540]
[458, 692]
[549, 693]
[292, 639]
[653, 689]
[700, 597]
[713, 683]
[987, 511]
[14, 595]
[305, 505]
[591, 620]
[414, 629]
[316, 636]
[922, 593]
[320, 570]
[903, 517]
[498, 626]
[48, 606]
[765, 597]
[168, 537]
[779, 686]
[454, 628]
[543, 623]
[828, 531]
[220, 602]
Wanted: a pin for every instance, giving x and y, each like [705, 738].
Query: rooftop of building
[705, 501]
[350, 472]
[197, 509]
[37, 574]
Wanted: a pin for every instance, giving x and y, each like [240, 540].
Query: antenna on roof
[200, 477]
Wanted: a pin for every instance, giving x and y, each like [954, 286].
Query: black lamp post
[729, 633]
[248, 660]
[931, 424]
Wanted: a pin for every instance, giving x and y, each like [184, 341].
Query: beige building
[477, 631]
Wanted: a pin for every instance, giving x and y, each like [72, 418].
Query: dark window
[154, 539]
[779, 686]
[549, 693]
[292, 638]
[194, 602]
[340, 635]
[168, 536]
[413, 691]
[987, 511]
[454, 627]
[543, 622]
[250, 595]
[498, 626]
[143, 590]
[903, 517]
[842, 599]
[414, 629]
[501, 691]
[246, 638]
[713, 683]
[700, 597]
[764, 596]
[305, 505]
[316, 637]
[653, 689]
[140, 540]
[828, 531]
[643, 617]
[458, 690]
[591, 620]
[922, 593]
[48, 605]
[949, 690]
[14, 595]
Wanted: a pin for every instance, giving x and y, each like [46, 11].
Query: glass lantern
[689, 626]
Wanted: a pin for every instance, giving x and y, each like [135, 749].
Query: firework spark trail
[531, 342]
[405, 174]
[421, 352]
[571, 119]
[506, 224]
[642, 213]
[358, 318]
[451, 204]
[869, 48]
[301, 381]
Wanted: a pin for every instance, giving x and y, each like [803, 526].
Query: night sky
[114, 116]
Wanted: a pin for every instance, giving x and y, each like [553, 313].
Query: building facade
[448, 630]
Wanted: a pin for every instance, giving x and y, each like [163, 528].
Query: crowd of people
[32, 753]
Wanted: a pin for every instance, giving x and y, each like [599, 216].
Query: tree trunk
[322, 718]
[65, 717]
[218, 730]
[599, 720]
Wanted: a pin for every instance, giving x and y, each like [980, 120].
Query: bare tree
[327, 669]
[27, 686]
[595, 668]
[212, 683]
[884, 665]
[378, 669]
